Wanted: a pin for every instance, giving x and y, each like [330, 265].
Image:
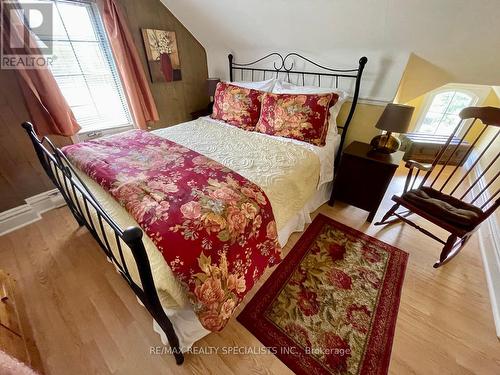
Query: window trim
[88, 134]
[430, 98]
[99, 23]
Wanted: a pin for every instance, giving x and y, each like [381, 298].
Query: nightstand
[202, 112]
[363, 177]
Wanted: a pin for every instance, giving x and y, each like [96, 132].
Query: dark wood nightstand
[363, 177]
[202, 112]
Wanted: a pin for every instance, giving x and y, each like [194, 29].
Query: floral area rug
[331, 306]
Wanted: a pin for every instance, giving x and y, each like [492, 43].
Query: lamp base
[385, 143]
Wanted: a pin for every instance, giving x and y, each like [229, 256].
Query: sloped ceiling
[497, 90]
[461, 37]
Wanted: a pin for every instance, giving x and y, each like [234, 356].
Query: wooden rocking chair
[440, 200]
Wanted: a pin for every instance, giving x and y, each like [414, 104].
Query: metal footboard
[85, 208]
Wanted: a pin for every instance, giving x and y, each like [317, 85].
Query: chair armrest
[411, 178]
[410, 164]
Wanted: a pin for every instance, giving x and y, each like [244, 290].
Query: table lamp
[211, 86]
[395, 118]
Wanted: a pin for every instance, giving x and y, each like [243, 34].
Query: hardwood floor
[86, 319]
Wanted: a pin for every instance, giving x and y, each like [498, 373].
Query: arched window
[441, 116]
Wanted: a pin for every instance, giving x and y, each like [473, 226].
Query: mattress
[293, 175]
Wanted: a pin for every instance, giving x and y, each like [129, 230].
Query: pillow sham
[236, 105]
[303, 117]
[283, 87]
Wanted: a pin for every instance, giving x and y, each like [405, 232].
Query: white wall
[460, 36]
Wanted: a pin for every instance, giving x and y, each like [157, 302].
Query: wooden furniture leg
[449, 251]
[388, 214]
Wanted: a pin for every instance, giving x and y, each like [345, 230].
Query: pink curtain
[50, 113]
[129, 65]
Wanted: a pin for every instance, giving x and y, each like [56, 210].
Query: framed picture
[162, 54]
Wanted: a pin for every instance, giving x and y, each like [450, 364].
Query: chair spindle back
[478, 177]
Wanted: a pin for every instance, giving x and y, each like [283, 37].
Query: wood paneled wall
[20, 173]
[175, 100]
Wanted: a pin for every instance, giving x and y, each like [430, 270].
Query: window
[441, 116]
[84, 67]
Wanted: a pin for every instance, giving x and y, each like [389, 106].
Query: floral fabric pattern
[237, 105]
[332, 293]
[302, 117]
[215, 229]
[334, 299]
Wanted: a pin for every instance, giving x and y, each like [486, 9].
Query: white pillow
[282, 87]
[266, 86]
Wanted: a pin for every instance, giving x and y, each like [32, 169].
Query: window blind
[84, 66]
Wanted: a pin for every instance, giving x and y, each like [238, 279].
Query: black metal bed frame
[284, 65]
[83, 205]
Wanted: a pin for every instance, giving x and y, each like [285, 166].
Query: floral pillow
[300, 116]
[236, 105]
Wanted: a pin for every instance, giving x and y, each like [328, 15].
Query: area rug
[331, 306]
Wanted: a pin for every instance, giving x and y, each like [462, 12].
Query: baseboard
[489, 243]
[30, 212]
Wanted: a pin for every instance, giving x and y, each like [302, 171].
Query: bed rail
[89, 213]
[285, 67]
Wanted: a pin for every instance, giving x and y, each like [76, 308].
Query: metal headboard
[284, 65]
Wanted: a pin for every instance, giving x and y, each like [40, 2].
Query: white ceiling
[459, 36]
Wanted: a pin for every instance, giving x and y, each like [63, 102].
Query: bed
[295, 176]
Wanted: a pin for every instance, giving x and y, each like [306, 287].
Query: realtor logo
[27, 28]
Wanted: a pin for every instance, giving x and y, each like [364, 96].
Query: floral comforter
[215, 229]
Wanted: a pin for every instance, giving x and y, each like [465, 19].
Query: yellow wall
[362, 127]
[420, 76]
[418, 103]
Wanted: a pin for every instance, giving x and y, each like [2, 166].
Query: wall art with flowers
[162, 54]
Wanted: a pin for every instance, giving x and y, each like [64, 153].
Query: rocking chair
[459, 207]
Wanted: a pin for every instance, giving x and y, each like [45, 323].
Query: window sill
[89, 134]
